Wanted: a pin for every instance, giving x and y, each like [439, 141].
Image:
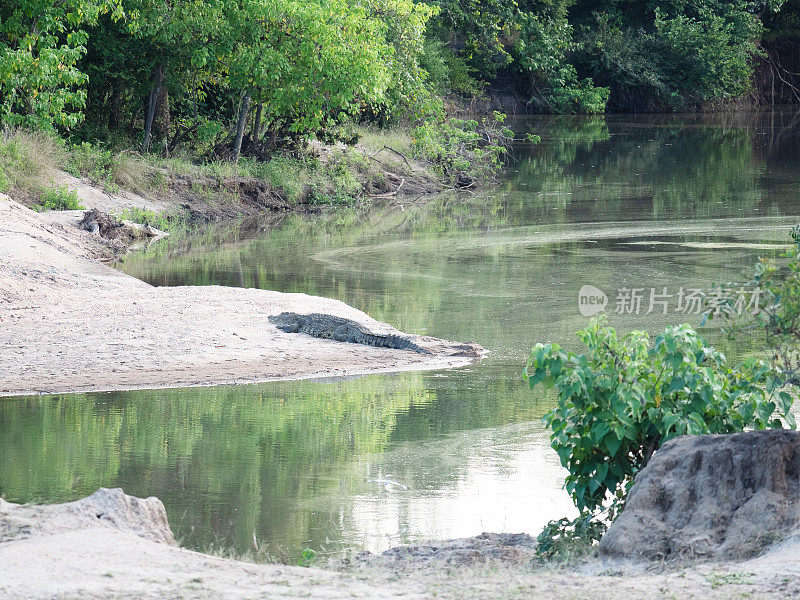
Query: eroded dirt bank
[69, 323]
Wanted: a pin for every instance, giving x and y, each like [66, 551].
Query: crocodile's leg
[340, 334]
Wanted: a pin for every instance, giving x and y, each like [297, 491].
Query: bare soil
[111, 545]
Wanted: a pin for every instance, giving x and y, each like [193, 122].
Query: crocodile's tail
[394, 341]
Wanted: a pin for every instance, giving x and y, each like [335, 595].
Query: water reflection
[619, 202]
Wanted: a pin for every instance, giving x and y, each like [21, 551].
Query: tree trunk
[257, 126]
[116, 104]
[152, 100]
[237, 144]
[162, 120]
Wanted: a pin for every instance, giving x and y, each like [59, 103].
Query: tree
[661, 54]
[42, 42]
[312, 65]
[526, 42]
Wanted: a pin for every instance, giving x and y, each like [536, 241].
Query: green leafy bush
[781, 316]
[777, 284]
[625, 397]
[568, 95]
[60, 198]
[96, 163]
[570, 538]
[148, 217]
[463, 152]
[447, 71]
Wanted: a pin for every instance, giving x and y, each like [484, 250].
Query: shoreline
[111, 545]
[71, 324]
[312, 377]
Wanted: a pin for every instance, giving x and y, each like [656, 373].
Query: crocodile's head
[288, 321]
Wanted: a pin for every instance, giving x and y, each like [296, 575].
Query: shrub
[463, 152]
[60, 198]
[96, 163]
[148, 217]
[778, 287]
[568, 95]
[625, 397]
[28, 160]
[570, 538]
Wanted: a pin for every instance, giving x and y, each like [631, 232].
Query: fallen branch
[400, 154]
[390, 194]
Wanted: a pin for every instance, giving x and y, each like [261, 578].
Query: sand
[110, 545]
[71, 324]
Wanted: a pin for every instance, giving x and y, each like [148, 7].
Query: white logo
[591, 301]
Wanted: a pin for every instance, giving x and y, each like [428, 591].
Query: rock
[105, 508]
[146, 517]
[711, 496]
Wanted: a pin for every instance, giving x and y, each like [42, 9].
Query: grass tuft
[28, 161]
[59, 198]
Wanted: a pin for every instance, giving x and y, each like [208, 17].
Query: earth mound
[501, 548]
[711, 496]
[113, 508]
[111, 228]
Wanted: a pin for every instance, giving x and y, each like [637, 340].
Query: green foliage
[776, 284]
[447, 71]
[527, 41]
[307, 557]
[781, 315]
[575, 55]
[154, 219]
[96, 163]
[568, 95]
[41, 85]
[463, 151]
[312, 64]
[59, 198]
[570, 538]
[625, 397]
[658, 54]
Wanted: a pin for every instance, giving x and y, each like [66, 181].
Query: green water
[637, 203]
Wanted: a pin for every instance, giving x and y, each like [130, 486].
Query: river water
[645, 209]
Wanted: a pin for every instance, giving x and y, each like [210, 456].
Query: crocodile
[340, 329]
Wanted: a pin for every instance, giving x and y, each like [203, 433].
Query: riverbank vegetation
[618, 403]
[153, 96]
[156, 97]
[624, 55]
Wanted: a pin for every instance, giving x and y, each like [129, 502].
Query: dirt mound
[96, 221]
[501, 548]
[711, 496]
[260, 195]
[105, 508]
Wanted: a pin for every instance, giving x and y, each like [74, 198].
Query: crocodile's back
[326, 326]
[340, 329]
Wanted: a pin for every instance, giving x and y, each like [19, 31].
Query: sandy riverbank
[71, 324]
[110, 545]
